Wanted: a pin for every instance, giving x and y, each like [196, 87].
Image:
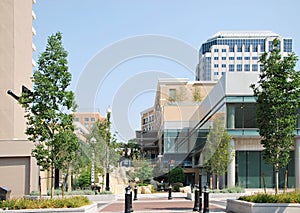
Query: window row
[239, 67]
[231, 58]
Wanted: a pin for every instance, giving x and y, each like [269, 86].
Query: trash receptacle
[4, 193]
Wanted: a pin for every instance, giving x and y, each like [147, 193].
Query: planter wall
[238, 206]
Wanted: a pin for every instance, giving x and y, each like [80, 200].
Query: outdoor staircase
[118, 180]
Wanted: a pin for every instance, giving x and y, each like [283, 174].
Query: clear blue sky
[93, 27]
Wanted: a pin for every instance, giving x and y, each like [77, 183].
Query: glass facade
[208, 68]
[206, 47]
[251, 171]
[175, 140]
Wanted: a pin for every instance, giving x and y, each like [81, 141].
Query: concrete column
[297, 164]
[231, 167]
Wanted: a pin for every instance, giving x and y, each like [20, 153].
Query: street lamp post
[107, 137]
[93, 142]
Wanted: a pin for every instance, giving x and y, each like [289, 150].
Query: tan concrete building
[176, 104]
[18, 170]
[147, 119]
[87, 119]
[175, 113]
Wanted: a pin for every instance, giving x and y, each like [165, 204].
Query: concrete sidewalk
[159, 202]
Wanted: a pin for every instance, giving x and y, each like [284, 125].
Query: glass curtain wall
[251, 168]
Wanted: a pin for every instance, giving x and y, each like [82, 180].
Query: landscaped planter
[239, 206]
[84, 209]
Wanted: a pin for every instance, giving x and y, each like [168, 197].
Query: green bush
[176, 186]
[237, 189]
[25, 203]
[290, 197]
[177, 175]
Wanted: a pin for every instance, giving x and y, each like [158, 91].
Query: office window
[223, 73]
[223, 58]
[241, 115]
[86, 119]
[216, 50]
[254, 58]
[216, 58]
[239, 48]
[93, 119]
[254, 67]
[223, 50]
[231, 67]
[172, 94]
[216, 73]
[247, 58]
[223, 65]
[287, 45]
[231, 58]
[247, 48]
[247, 67]
[216, 65]
[239, 67]
[76, 119]
[239, 58]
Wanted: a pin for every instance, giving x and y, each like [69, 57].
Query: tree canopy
[278, 98]
[48, 109]
[217, 152]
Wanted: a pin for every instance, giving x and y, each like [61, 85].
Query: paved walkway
[159, 203]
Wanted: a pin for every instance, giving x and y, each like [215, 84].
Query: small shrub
[228, 190]
[176, 187]
[25, 203]
[290, 197]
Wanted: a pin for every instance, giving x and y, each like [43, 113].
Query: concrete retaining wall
[238, 206]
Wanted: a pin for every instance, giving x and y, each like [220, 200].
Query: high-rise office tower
[236, 51]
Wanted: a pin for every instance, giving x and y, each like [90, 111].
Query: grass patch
[289, 197]
[25, 203]
[58, 192]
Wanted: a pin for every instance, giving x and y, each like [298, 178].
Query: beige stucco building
[175, 110]
[87, 119]
[18, 170]
[176, 105]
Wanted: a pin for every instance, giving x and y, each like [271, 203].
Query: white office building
[236, 51]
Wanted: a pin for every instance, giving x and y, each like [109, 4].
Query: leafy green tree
[142, 170]
[104, 145]
[177, 175]
[278, 98]
[84, 180]
[197, 94]
[48, 107]
[217, 152]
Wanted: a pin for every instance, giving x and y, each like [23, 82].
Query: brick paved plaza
[158, 203]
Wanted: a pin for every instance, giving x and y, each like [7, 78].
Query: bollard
[170, 193]
[127, 200]
[206, 200]
[196, 201]
[135, 192]
[200, 193]
[130, 205]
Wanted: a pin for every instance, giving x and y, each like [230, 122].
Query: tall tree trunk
[276, 179]
[69, 180]
[285, 180]
[264, 181]
[52, 180]
[218, 182]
